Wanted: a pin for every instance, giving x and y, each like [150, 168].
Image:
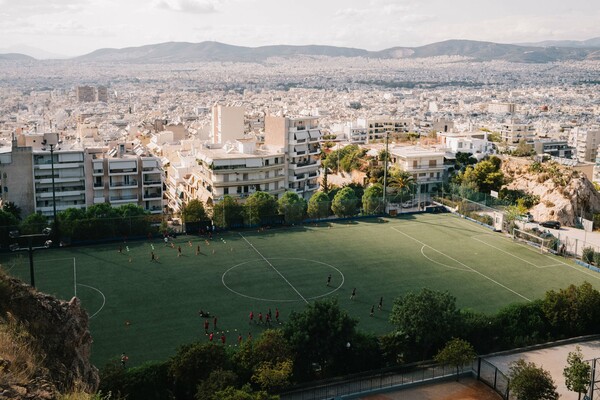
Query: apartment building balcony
[123, 184]
[423, 168]
[152, 182]
[46, 180]
[127, 198]
[152, 195]
[241, 181]
[305, 164]
[298, 178]
[98, 185]
[48, 165]
[57, 194]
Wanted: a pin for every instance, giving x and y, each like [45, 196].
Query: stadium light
[30, 247]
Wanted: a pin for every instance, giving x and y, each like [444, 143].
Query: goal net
[544, 243]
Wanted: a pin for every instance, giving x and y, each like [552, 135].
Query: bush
[587, 255]
[597, 258]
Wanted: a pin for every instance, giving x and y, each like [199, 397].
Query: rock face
[564, 194]
[57, 331]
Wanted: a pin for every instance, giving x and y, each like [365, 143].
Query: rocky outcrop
[57, 334]
[564, 194]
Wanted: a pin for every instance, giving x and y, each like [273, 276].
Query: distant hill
[15, 57]
[181, 52]
[589, 44]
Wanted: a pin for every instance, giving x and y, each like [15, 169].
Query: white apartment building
[125, 175]
[237, 169]
[81, 177]
[426, 165]
[378, 127]
[298, 138]
[227, 123]
[586, 141]
[475, 143]
[501, 108]
[513, 132]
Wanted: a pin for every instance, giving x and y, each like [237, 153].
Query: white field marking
[464, 265]
[101, 294]
[282, 300]
[442, 264]
[512, 255]
[275, 269]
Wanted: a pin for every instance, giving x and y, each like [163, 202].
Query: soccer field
[147, 309]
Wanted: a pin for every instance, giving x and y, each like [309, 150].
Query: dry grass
[19, 361]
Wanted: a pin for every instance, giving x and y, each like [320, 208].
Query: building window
[226, 190]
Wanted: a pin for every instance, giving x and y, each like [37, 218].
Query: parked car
[410, 204]
[527, 217]
[550, 224]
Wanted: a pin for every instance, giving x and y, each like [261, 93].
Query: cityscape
[221, 200]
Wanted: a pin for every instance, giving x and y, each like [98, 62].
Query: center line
[275, 269]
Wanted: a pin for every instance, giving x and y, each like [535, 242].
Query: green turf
[484, 270]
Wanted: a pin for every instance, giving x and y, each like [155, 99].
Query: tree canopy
[227, 212]
[319, 206]
[427, 318]
[372, 200]
[530, 382]
[344, 203]
[577, 373]
[292, 206]
[456, 352]
[258, 206]
[484, 176]
[194, 211]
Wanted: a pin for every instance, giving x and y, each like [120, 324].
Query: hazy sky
[74, 27]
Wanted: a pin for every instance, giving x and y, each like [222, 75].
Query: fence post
[478, 368]
[592, 384]
[495, 377]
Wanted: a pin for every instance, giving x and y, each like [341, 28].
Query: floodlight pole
[55, 221]
[387, 134]
[30, 248]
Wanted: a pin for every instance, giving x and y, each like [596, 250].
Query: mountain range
[184, 52]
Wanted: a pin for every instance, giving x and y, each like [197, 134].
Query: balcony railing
[120, 184]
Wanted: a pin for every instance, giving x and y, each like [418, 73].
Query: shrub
[587, 255]
[597, 258]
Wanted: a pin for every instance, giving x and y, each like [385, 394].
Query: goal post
[544, 244]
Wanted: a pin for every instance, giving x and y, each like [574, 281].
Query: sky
[76, 27]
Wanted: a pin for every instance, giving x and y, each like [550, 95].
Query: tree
[292, 206]
[530, 382]
[227, 212]
[258, 207]
[523, 149]
[273, 376]
[318, 336]
[456, 352]
[427, 318]
[8, 223]
[400, 181]
[344, 203]
[34, 223]
[218, 380]
[573, 311]
[245, 393]
[13, 209]
[372, 200]
[486, 175]
[577, 373]
[193, 363]
[194, 211]
[319, 206]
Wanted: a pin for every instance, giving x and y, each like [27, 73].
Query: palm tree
[400, 181]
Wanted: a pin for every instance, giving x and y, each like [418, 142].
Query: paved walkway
[552, 359]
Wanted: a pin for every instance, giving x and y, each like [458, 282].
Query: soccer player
[120, 249]
[206, 324]
[268, 319]
[380, 306]
[178, 251]
[260, 320]
[353, 295]
[210, 337]
[276, 314]
[328, 279]
[223, 339]
[124, 359]
[215, 323]
[152, 257]
[251, 316]
[198, 250]
[372, 311]
[240, 339]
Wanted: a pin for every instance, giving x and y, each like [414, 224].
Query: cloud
[36, 7]
[189, 6]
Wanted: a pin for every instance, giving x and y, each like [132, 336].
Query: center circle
[256, 269]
